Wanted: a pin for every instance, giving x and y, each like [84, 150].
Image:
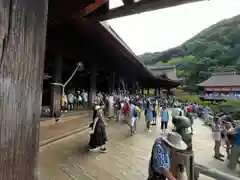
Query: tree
[215, 49]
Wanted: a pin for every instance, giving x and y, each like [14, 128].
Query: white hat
[97, 107]
[175, 140]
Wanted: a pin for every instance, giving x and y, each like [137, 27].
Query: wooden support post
[111, 83]
[56, 90]
[133, 87]
[93, 86]
[183, 158]
[22, 50]
[118, 84]
[169, 91]
[157, 92]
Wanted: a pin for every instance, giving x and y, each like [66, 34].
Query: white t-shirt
[79, 98]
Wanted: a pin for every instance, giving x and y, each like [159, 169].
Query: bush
[231, 107]
[227, 107]
[215, 109]
[236, 114]
[193, 98]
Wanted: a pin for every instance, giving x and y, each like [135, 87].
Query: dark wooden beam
[92, 7]
[140, 7]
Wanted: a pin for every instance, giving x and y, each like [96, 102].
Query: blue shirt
[164, 115]
[160, 157]
[149, 114]
[206, 111]
[132, 112]
[237, 135]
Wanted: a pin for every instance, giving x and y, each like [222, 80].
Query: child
[164, 119]
[155, 112]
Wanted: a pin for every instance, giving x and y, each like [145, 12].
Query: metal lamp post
[79, 65]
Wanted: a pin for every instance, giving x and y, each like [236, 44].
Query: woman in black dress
[98, 134]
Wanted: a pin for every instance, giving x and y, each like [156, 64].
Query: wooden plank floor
[127, 157]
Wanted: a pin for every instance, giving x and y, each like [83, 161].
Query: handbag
[91, 124]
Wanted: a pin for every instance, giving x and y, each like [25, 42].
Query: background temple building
[167, 73]
[227, 82]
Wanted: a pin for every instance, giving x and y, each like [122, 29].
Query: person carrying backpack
[133, 118]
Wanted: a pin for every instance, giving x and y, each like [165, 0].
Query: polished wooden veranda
[127, 157]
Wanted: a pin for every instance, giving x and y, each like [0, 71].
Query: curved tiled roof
[222, 80]
[168, 72]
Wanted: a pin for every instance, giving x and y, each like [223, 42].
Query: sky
[166, 28]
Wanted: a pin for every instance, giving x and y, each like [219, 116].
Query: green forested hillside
[215, 49]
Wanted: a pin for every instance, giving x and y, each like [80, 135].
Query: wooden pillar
[56, 90]
[168, 91]
[157, 91]
[111, 83]
[92, 86]
[22, 53]
[118, 84]
[133, 88]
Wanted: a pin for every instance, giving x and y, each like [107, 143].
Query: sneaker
[149, 130]
[103, 150]
[218, 158]
[221, 155]
[93, 149]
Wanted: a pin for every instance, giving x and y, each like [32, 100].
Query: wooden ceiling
[73, 33]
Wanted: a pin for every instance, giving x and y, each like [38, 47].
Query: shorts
[132, 121]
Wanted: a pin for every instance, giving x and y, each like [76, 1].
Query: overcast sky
[162, 29]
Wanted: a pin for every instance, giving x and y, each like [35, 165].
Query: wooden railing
[212, 172]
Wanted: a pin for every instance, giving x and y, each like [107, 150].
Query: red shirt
[189, 109]
[126, 108]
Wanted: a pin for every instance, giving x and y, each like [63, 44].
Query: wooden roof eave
[140, 7]
[166, 77]
[165, 83]
[142, 69]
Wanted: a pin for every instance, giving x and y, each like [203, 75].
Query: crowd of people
[130, 108]
[233, 96]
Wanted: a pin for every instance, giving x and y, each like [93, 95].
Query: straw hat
[174, 140]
